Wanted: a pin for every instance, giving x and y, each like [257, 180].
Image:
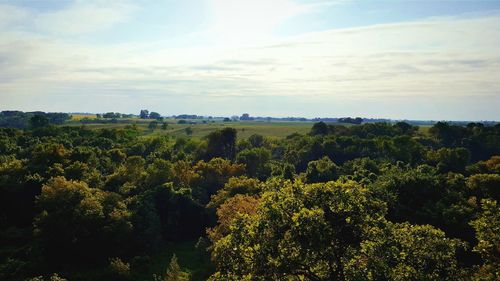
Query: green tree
[235, 185]
[228, 211]
[144, 114]
[174, 272]
[487, 227]
[256, 140]
[211, 176]
[154, 115]
[39, 121]
[319, 128]
[446, 134]
[81, 223]
[302, 231]
[127, 176]
[119, 269]
[255, 161]
[322, 170]
[484, 186]
[407, 252]
[159, 172]
[449, 159]
[222, 143]
[405, 128]
[153, 125]
[328, 231]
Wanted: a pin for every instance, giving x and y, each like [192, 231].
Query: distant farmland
[244, 128]
[200, 128]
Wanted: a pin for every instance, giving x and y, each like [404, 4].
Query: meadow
[200, 128]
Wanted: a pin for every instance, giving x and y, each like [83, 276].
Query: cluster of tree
[369, 202]
[112, 115]
[357, 120]
[100, 120]
[189, 116]
[22, 120]
[155, 124]
[246, 117]
[145, 114]
[182, 121]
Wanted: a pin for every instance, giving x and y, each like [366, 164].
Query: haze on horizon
[436, 60]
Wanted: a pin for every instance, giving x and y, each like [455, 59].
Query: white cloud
[11, 15]
[84, 17]
[447, 60]
[243, 21]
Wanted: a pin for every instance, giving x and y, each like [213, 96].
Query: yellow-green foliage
[329, 231]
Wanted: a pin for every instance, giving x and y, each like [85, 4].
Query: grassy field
[276, 129]
[78, 117]
[244, 128]
[424, 129]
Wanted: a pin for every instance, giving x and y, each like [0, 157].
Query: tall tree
[487, 227]
[154, 115]
[319, 128]
[173, 270]
[222, 143]
[144, 114]
[39, 121]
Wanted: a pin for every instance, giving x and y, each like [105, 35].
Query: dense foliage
[374, 201]
[36, 119]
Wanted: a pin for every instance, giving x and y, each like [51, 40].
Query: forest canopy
[375, 201]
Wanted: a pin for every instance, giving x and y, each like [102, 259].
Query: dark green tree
[81, 224]
[153, 125]
[321, 170]
[256, 140]
[255, 161]
[487, 227]
[222, 143]
[154, 115]
[39, 121]
[144, 114]
[319, 128]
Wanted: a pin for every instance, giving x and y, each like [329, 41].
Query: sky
[400, 59]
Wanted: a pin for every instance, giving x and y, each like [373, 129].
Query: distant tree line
[114, 115]
[22, 120]
[188, 116]
[357, 120]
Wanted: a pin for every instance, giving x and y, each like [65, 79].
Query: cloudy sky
[420, 59]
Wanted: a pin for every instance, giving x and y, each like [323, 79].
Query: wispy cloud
[84, 17]
[12, 15]
[440, 59]
[79, 17]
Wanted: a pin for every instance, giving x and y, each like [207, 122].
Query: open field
[244, 128]
[424, 129]
[277, 129]
[78, 117]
